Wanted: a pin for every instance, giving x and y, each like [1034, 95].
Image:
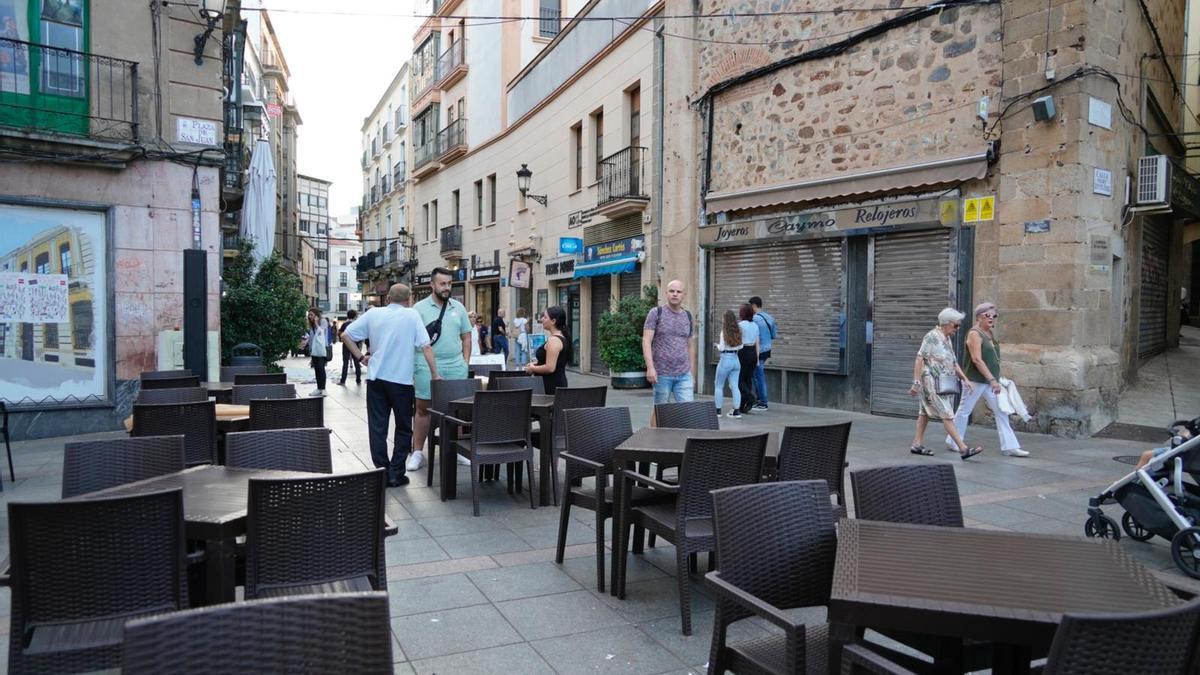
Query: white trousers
[1008, 440]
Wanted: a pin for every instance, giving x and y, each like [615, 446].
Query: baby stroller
[1158, 500]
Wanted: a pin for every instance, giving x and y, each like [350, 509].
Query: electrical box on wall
[170, 353]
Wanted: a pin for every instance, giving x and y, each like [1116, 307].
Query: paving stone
[656, 599]
[583, 570]
[442, 526]
[453, 631]
[510, 583]
[481, 543]
[415, 596]
[519, 658]
[562, 614]
[623, 649]
[410, 551]
[694, 648]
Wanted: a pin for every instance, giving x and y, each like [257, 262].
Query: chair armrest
[858, 659]
[727, 591]
[455, 420]
[580, 460]
[643, 479]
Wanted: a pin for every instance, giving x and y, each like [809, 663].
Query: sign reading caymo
[834, 222]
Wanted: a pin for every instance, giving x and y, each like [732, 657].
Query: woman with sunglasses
[935, 362]
[983, 370]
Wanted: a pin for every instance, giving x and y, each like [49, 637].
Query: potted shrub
[262, 304]
[619, 338]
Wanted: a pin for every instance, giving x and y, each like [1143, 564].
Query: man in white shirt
[395, 334]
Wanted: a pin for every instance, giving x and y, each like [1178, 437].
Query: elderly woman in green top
[983, 369]
[935, 359]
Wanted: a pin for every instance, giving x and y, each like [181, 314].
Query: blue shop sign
[613, 257]
[569, 245]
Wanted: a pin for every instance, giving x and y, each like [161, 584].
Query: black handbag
[434, 328]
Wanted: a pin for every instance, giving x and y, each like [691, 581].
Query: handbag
[434, 328]
[946, 384]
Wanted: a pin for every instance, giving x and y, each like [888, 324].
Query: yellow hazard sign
[987, 208]
[948, 210]
[979, 209]
[971, 211]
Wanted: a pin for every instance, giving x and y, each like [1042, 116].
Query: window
[342, 258]
[549, 18]
[577, 145]
[635, 117]
[305, 226]
[81, 324]
[454, 205]
[64, 258]
[343, 300]
[425, 220]
[598, 139]
[343, 277]
[41, 264]
[492, 199]
[433, 216]
[478, 203]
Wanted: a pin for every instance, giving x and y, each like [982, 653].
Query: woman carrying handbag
[937, 378]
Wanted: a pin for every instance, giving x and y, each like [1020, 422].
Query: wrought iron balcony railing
[622, 176]
[453, 136]
[424, 154]
[452, 239]
[550, 22]
[399, 175]
[454, 56]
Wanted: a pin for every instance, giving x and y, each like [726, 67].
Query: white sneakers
[1016, 452]
[416, 460]
[317, 392]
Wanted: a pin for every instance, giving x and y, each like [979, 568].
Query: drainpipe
[660, 55]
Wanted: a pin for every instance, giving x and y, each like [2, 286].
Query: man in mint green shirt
[451, 349]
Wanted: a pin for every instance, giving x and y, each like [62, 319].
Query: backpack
[658, 318]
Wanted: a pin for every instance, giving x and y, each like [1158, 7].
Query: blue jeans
[522, 354]
[500, 346]
[678, 386]
[728, 370]
[760, 377]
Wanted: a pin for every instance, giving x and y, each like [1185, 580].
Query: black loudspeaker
[195, 312]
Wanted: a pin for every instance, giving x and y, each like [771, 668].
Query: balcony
[366, 160]
[70, 93]
[374, 195]
[549, 22]
[452, 65]
[423, 159]
[393, 250]
[399, 175]
[384, 187]
[622, 183]
[378, 257]
[452, 241]
[452, 141]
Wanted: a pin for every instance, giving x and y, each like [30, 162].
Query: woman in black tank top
[551, 359]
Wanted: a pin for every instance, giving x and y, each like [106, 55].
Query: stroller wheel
[1101, 527]
[1185, 549]
[1134, 529]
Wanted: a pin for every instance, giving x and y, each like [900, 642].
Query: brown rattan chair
[196, 421]
[816, 453]
[499, 435]
[89, 466]
[708, 464]
[68, 609]
[691, 415]
[776, 545]
[228, 373]
[442, 392]
[244, 393]
[164, 374]
[180, 395]
[260, 378]
[280, 449]
[316, 535]
[536, 384]
[920, 494]
[337, 633]
[286, 413]
[568, 398]
[171, 382]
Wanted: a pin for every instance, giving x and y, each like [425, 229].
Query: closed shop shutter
[802, 285]
[631, 283]
[1152, 300]
[914, 281]
[601, 290]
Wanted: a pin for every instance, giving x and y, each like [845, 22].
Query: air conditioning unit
[1153, 181]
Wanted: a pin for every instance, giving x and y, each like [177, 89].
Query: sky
[342, 57]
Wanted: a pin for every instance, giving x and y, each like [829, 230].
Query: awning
[598, 268]
[914, 176]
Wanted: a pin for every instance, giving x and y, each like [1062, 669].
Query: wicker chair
[164, 374]
[485, 369]
[921, 494]
[344, 632]
[816, 453]
[260, 378]
[495, 375]
[692, 415]
[499, 435]
[280, 449]
[568, 398]
[708, 464]
[286, 413]
[442, 392]
[180, 395]
[196, 421]
[69, 610]
[243, 394]
[536, 384]
[7, 444]
[776, 545]
[171, 382]
[89, 466]
[316, 535]
[228, 373]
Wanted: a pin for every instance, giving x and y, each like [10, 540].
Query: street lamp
[523, 177]
[211, 11]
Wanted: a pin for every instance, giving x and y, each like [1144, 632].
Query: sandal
[970, 452]
[921, 450]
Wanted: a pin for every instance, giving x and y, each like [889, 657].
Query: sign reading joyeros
[856, 220]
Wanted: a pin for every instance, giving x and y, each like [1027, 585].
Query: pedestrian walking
[551, 359]
[485, 346]
[747, 356]
[500, 336]
[729, 368]
[450, 333]
[347, 357]
[937, 377]
[317, 340]
[521, 330]
[396, 333]
[668, 348]
[476, 347]
[767, 332]
[982, 368]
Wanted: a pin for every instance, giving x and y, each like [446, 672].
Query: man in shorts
[669, 348]
[451, 349]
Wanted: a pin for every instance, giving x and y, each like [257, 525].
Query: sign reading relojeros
[834, 222]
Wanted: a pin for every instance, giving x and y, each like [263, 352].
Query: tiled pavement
[484, 595]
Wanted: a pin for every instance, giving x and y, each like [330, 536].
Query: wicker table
[222, 391]
[542, 409]
[1007, 588]
[663, 446]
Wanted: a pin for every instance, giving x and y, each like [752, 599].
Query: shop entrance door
[601, 291]
[568, 299]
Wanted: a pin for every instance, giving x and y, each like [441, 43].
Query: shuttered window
[1152, 299]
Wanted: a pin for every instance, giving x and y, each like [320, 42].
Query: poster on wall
[53, 305]
[14, 57]
[518, 273]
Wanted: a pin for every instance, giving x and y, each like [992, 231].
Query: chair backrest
[691, 415]
[171, 382]
[95, 465]
[530, 382]
[260, 378]
[594, 433]
[501, 416]
[287, 413]
[338, 632]
[180, 395]
[164, 374]
[714, 463]
[815, 453]
[484, 369]
[196, 421]
[776, 541]
[568, 398]
[500, 374]
[442, 392]
[4, 415]
[280, 449]
[921, 494]
[228, 373]
[89, 559]
[1160, 642]
[315, 530]
[244, 393]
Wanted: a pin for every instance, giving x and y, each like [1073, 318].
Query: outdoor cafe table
[664, 446]
[542, 410]
[229, 417]
[1007, 588]
[222, 391]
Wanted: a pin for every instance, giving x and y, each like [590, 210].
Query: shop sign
[621, 248]
[460, 275]
[424, 279]
[560, 268]
[863, 219]
[579, 218]
[482, 273]
[519, 274]
[570, 245]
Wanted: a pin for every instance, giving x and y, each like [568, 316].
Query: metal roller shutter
[630, 283]
[601, 292]
[802, 285]
[914, 280]
[1152, 299]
